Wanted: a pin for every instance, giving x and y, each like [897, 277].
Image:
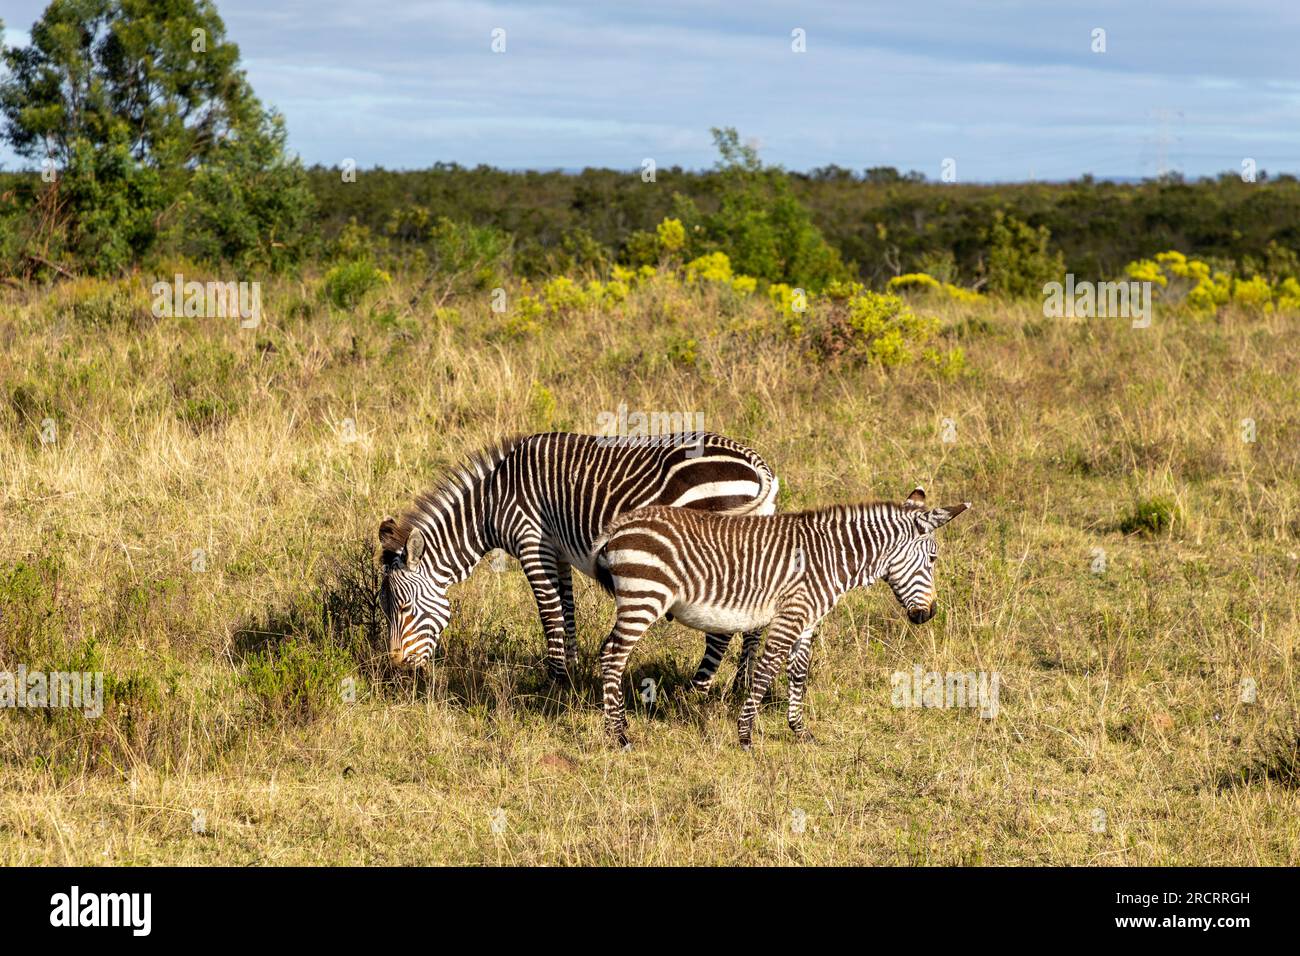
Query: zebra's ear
[927, 521]
[917, 497]
[414, 547]
[387, 528]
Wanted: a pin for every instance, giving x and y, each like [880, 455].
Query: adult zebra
[783, 573]
[544, 499]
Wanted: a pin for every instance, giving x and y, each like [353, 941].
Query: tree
[1020, 260]
[129, 100]
[760, 224]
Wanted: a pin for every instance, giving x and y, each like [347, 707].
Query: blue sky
[1010, 90]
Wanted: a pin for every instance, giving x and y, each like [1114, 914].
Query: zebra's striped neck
[456, 515]
[866, 535]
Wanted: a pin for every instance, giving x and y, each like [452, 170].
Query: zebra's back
[573, 486]
[741, 563]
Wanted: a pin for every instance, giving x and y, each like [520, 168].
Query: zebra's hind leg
[800, 656]
[715, 646]
[745, 667]
[630, 622]
[781, 637]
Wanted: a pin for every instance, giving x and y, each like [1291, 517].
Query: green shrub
[347, 283]
[479, 254]
[296, 681]
[1019, 262]
[682, 350]
[876, 328]
[250, 205]
[205, 412]
[102, 303]
[761, 226]
[32, 615]
[1150, 516]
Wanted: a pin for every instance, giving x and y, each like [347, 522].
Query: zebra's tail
[763, 503]
[603, 577]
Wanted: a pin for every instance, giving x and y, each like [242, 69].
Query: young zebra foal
[723, 573]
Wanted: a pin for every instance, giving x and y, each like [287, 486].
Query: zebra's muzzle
[919, 615]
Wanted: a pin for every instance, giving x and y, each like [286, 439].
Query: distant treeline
[881, 221]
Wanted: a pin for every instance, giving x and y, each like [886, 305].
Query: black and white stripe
[544, 499]
[784, 573]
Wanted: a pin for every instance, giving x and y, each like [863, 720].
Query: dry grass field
[199, 524]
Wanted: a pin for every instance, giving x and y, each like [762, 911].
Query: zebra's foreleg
[781, 636]
[800, 657]
[715, 646]
[745, 667]
[542, 569]
[565, 573]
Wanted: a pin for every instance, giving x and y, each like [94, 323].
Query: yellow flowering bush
[788, 300]
[879, 328]
[959, 294]
[924, 283]
[792, 304]
[528, 315]
[1147, 270]
[1288, 295]
[671, 235]
[886, 328]
[915, 282]
[562, 294]
[745, 285]
[541, 406]
[526, 319]
[615, 292]
[1207, 288]
[1211, 290]
[841, 290]
[1177, 263]
[711, 267]
[632, 277]
[1254, 293]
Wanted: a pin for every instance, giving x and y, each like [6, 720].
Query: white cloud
[1002, 85]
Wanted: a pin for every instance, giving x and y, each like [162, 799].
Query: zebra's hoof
[803, 737]
[626, 746]
[746, 746]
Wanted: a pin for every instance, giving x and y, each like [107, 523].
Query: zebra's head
[413, 598]
[909, 569]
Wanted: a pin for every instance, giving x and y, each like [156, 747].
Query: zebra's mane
[863, 508]
[446, 490]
